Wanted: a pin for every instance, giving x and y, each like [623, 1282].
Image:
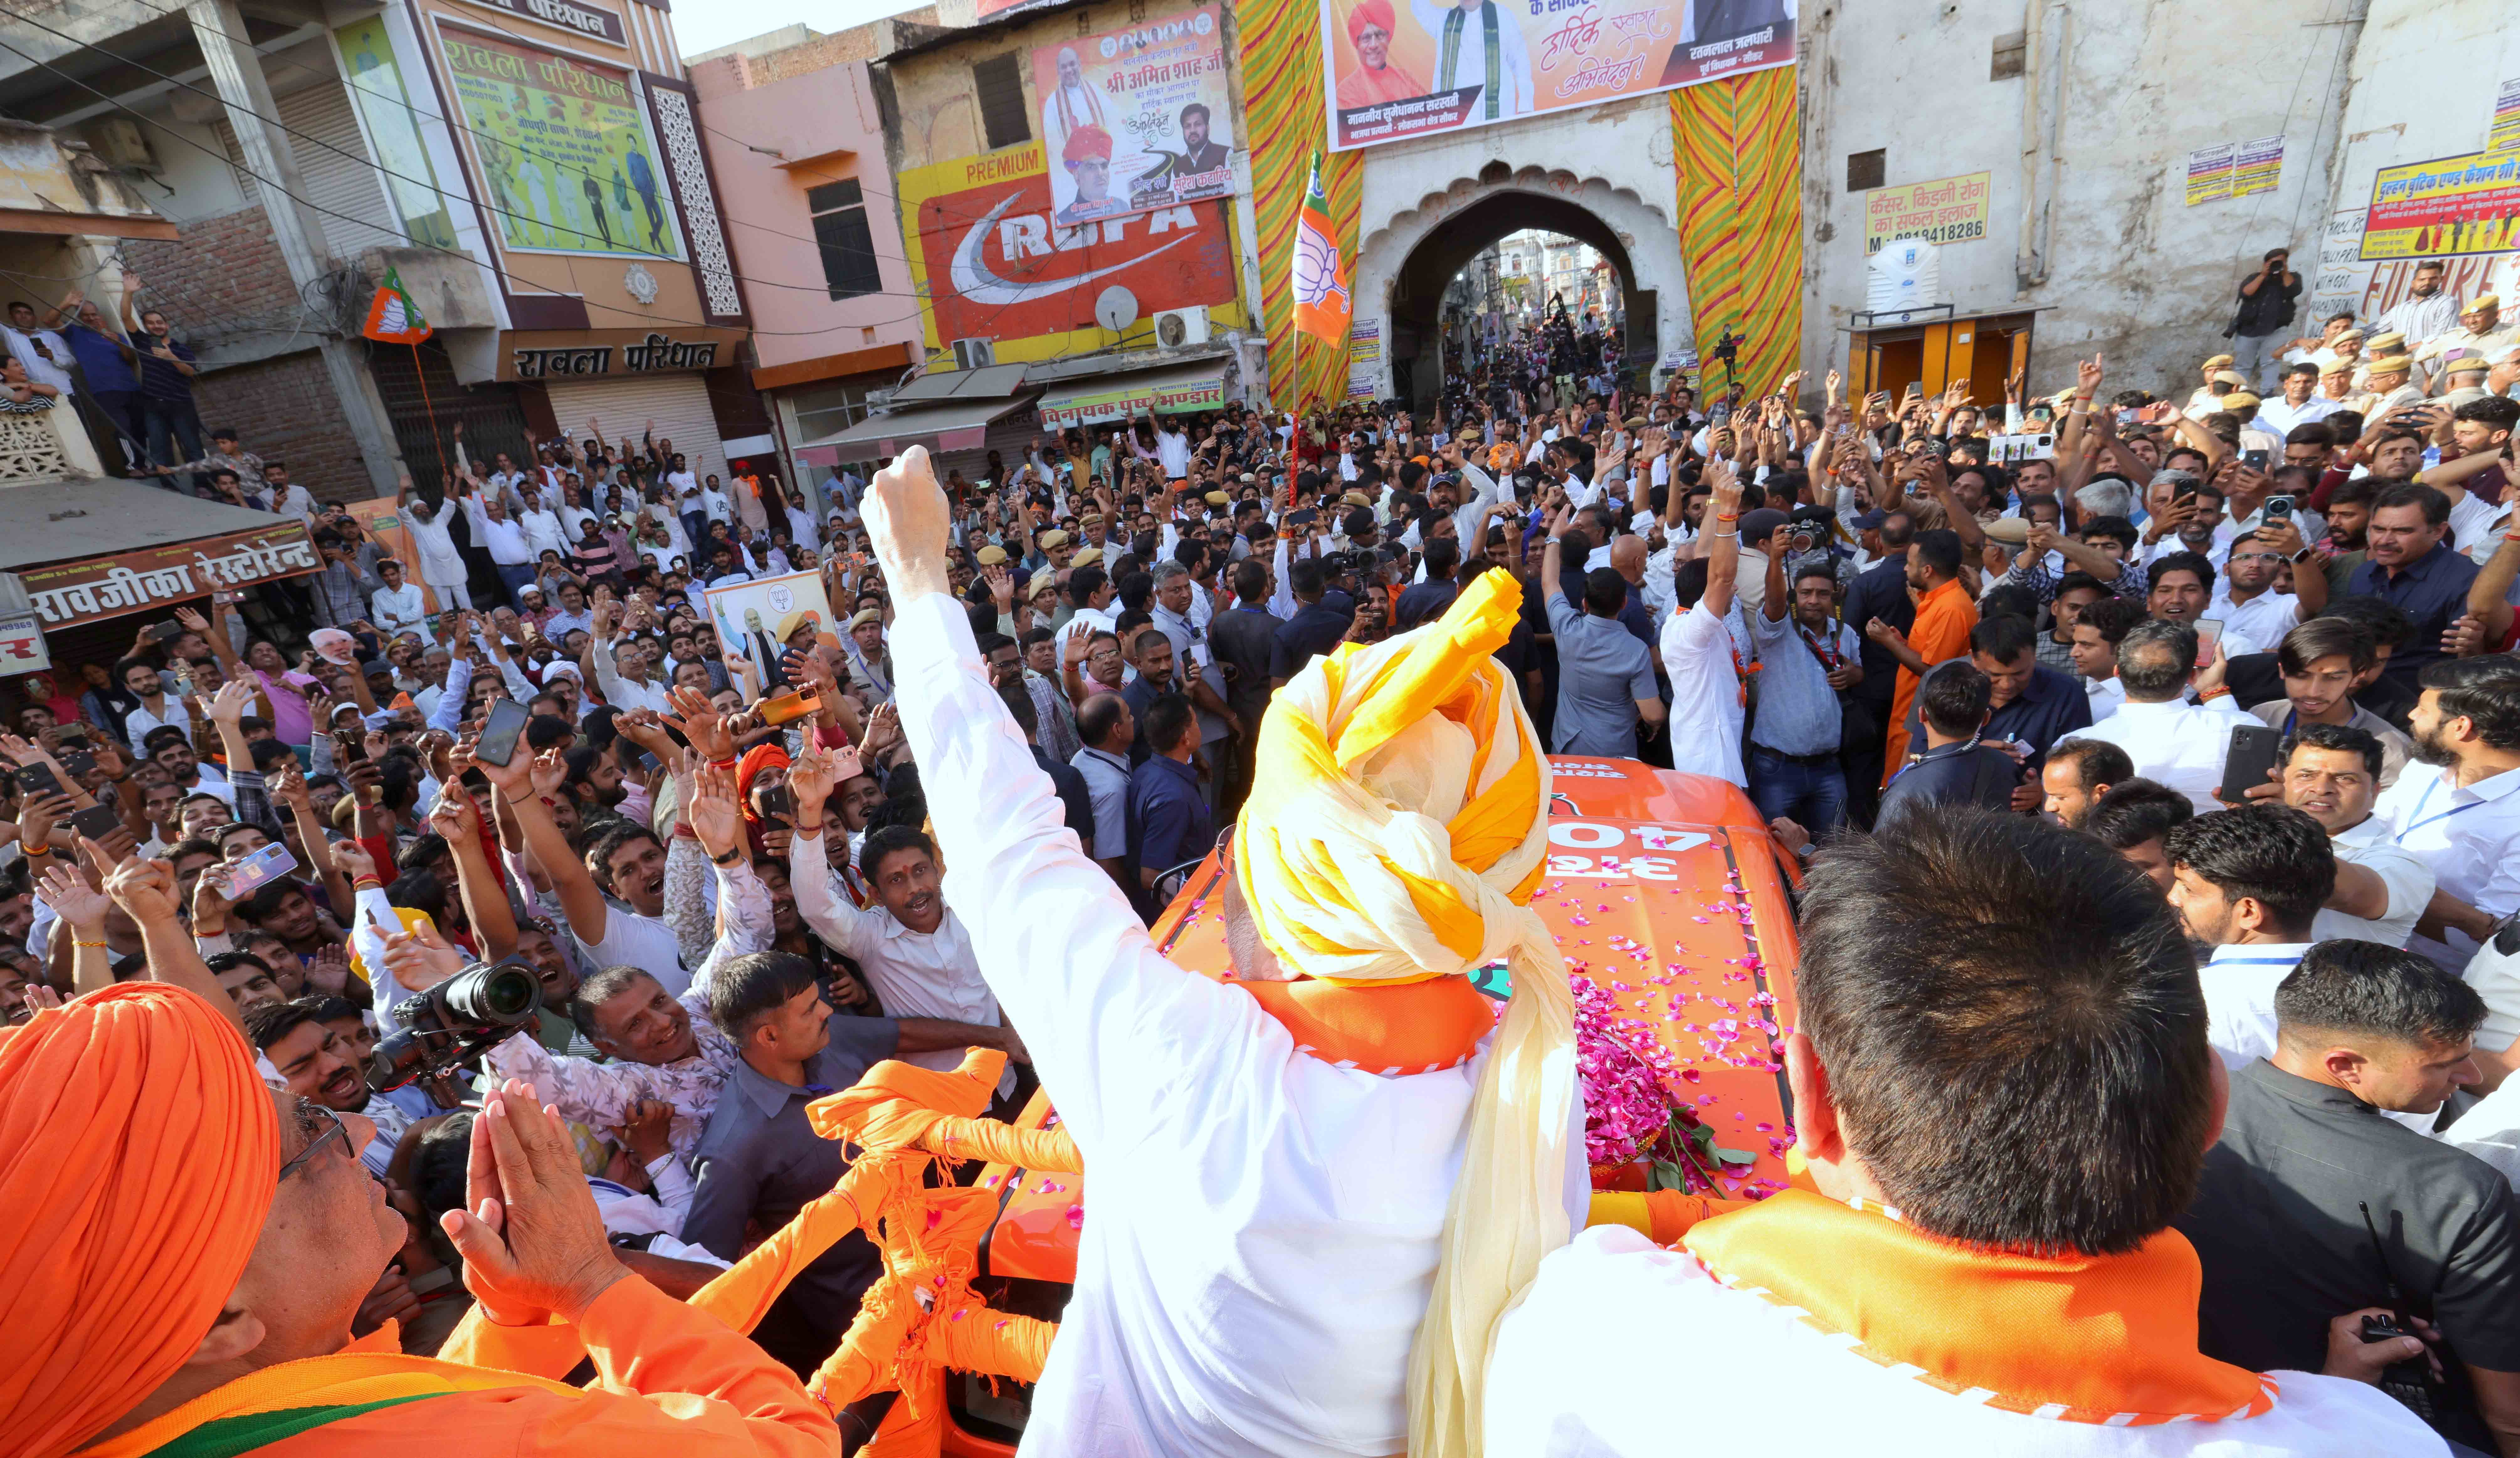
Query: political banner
[993, 262]
[563, 147]
[1398, 69]
[1364, 357]
[2209, 172]
[2446, 206]
[1947, 210]
[1136, 118]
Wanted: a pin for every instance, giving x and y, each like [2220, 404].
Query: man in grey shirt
[760, 1161]
[1605, 676]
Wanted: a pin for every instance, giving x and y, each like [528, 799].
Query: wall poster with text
[563, 148]
[1137, 118]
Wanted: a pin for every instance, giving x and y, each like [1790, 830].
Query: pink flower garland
[1624, 1109]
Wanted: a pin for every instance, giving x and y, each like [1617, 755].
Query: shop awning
[1195, 387]
[94, 548]
[959, 426]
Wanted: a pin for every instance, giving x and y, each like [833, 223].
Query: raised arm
[81, 908]
[522, 782]
[1722, 538]
[477, 880]
[145, 889]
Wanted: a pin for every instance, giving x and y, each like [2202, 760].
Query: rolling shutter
[678, 404]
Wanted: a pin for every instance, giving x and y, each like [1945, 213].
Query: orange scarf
[2083, 1339]
[1413, 1028]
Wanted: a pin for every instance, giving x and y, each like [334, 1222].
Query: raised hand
[143, 888]
[230, 702]
[329, 970]
[72, 900]
[532, 1242]
[352, 860]
[2086, 374]
[811, 780]
[907, 516]
[700, 724]
[712, 809]
[420, 957]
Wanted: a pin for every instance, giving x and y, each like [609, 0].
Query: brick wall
[286, 408]
[857, 43]
[223, 285]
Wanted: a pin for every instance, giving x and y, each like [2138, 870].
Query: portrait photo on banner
[764, 619]
[1137, 118]
[1395, 68]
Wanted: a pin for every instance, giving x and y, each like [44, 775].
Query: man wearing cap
[1327, 1185]
[2336, 384]
[2213, 369]
[2481, 330]
[2460, 379]
[2265, 309]
[2426, 310]
[1087, 157]
[869, 664]
[2387, 384]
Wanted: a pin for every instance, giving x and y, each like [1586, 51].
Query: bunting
[1738, 147]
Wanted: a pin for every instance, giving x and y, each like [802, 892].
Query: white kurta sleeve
[1123, 1040]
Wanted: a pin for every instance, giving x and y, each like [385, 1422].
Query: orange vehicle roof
[1664, 890]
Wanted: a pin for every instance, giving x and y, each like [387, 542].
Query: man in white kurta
[1460, 34]
[1265, 1227]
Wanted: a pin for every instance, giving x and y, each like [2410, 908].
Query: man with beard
[2425, 312]
[2412, 566]
[2323, 661]
[310, 1056]
[2455, 808]
[2331, 773]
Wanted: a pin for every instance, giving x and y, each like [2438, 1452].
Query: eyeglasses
[309, 1110]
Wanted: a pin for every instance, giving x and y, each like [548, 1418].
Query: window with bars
[999, 83]
[847, 243]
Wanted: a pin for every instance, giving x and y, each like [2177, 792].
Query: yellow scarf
[1396, 830]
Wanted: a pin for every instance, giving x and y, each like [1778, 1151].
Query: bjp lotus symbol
[1322, 302]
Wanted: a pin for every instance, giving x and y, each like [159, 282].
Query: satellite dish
[1115, 308]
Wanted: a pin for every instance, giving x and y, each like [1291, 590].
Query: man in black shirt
[1956, 766]
[1316, 628]
[1244, 638]
[1879, 591]
[2311, 1141]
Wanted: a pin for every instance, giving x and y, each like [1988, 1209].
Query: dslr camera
[450, 1024]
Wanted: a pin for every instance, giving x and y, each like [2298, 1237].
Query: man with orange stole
[2002, 1095]
[1317, 1183]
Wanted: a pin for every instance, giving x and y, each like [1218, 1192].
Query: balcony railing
[44, 445]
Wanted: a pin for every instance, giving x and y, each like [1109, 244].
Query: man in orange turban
[1088, 159]
[1375, 79]
[191, 1247]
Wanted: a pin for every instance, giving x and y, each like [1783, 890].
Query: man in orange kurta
[1375, 79]
[1944, 615]
[192, 1246]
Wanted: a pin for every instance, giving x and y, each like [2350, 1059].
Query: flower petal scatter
[1624, 1108]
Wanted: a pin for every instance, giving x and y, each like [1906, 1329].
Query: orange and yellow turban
[138, 1153]
[1397, 827]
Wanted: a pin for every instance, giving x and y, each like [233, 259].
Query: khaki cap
[2395, 364]
[990, 556]
[864, 617]
[1086, 558]
[1052, 538]
[2213, 363]
[2238, 399]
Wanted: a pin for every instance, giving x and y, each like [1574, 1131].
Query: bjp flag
[1322, 304]
[393, 318]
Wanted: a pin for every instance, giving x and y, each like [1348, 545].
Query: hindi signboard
[1947, 210]
[1136, 118]
[66, 594]
[2447, 206]
[1364, 357]
[2502, 133]
[1125, 399]
[563, 147]
[1396, 69]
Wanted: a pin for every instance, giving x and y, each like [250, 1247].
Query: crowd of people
[2169, 768]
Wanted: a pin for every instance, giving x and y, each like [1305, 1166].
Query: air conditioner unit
[121, 143]
[975, 354]
[1175, 328]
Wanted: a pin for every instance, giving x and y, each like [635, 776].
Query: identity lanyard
[2421, 820]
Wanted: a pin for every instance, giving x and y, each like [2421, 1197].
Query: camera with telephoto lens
[454, 1023]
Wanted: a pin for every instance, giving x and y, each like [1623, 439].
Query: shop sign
[21, 644]
[584, 20]
[69, 593]
[1123, 401]
[650, 355]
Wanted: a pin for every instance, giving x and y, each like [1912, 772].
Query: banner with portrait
[2451, 206]
[765, 617]
[1397, 69]
[1137, 118]
[566, 157]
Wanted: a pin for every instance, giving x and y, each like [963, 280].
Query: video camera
[455, 1022]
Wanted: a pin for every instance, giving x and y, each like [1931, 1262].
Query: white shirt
[2181, 745]
[55, 371]
[1698, 652]
[719, 506]
[2260, 622]
[1172, 448]
[1106, 783]
[917, 973]
[2106, 696]
[542, 529]
[2470, 836]
[440, 564]
[505, 542]
[2239, 982]
[2409, 880]
[1266, 1225]
[2283, 417]
[139, 723]
[1616, 1335]
[403, 610]
[620, 692]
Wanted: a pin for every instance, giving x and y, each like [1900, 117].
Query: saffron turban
[1372, 15]
[1397, 827]
[1088, 143]
[748, 769]
[137, 1154]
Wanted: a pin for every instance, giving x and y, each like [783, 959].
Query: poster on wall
[994, 262]
[2338, 282]
[563, 147]
[2446, 206]
[376, 88]
[1398, 69]
[1947, 210]
[2209, 172]
[2257, 166]
[1137, 118]
[1364, 357]
[2502, 133]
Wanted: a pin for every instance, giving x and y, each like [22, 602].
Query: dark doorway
[1417, 291]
